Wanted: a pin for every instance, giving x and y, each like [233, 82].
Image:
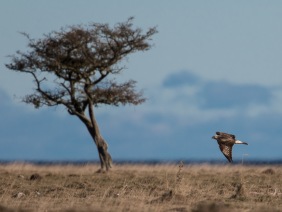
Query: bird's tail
[240, 142]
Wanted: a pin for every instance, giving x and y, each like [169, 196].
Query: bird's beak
[213, 137]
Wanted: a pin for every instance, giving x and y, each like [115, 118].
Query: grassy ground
[26, 187]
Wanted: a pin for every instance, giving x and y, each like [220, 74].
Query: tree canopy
[75, 62]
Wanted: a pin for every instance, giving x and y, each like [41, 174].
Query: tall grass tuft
[179, 176]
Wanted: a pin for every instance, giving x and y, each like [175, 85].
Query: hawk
[226, 142]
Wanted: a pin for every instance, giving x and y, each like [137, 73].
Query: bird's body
[226, 142]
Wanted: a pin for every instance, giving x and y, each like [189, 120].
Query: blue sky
[214, 66]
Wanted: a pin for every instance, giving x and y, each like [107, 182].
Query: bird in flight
[226, 142]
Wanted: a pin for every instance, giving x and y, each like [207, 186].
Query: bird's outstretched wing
[227, 151]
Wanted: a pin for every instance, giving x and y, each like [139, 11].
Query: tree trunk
[101, 144]
[102, 147]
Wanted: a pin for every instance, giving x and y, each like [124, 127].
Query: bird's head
[214, 137]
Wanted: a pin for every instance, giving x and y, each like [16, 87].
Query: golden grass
[174, 187]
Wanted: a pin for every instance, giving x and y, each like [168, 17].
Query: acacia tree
[74, 67]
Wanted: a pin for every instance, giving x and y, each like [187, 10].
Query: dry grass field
[27, 187]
